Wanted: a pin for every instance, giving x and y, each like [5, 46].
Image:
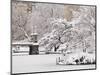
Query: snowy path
[41, 63]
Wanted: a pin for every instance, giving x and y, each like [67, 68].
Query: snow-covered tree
[84, 21]
[73, 34]
[54, 39]
[21, 12]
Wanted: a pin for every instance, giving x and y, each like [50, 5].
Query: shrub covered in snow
[77, 58]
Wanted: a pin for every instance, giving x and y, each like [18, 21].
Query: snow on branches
[72, 34]
[54, 39]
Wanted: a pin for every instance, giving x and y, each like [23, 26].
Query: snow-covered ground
[41, 63]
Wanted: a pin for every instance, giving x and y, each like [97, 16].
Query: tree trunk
[55, 48]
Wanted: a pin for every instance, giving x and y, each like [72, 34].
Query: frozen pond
[41, 63]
